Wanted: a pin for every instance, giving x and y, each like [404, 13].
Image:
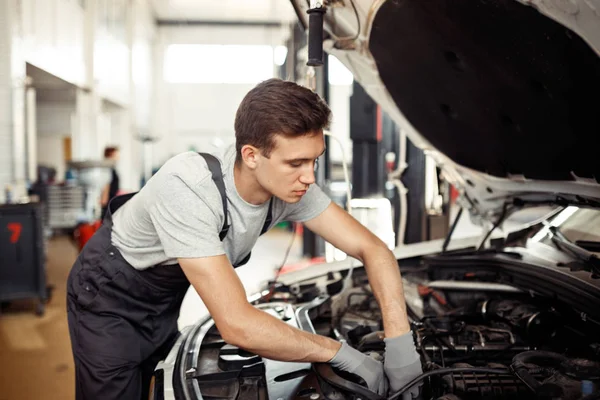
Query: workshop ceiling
[48, 87]
[226, 11]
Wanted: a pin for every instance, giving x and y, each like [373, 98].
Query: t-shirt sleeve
[186, 225]
[312, 204]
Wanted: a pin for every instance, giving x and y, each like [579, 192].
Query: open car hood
[502, 94]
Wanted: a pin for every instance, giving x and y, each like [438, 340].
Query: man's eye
[296, 164]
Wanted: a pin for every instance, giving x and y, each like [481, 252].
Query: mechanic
[127, 285]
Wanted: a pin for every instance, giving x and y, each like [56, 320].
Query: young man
[126, 287]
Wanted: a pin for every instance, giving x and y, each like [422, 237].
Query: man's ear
[250, 156]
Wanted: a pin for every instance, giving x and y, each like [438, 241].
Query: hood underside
[494, 85]
[499, 93]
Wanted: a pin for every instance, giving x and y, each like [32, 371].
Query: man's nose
[308, 175]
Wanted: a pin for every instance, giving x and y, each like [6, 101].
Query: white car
[503, 94]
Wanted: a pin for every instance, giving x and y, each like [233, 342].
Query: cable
[287, 253]
[394, 177]
[452, 228]
[496, 224]
[348, 280]
[419, 378]
[345, 168]
[351, 38]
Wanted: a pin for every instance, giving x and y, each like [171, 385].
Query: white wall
[53, 37]
[12, 101]
[142, 60]
[53, 122]
[339, 102]
[54, 119]
[200, 115]
[210, 34]
[105, 50]
[50, 152]
[6, 157]
[197, 116]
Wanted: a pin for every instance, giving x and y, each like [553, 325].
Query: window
[338, 73]
[577, 225]
[201, 63]
[583, 224]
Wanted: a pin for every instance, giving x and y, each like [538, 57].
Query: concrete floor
[35, 351]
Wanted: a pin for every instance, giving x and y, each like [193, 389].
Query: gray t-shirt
[179, 214]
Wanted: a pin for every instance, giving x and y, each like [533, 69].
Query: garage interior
[156, 78]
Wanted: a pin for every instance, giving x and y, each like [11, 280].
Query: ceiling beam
[195, 22]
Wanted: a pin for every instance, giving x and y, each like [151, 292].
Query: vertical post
[6, 156]
[12, 100]
[326, 97]
[84, 124]
[18, 129]
[31, 135]
[366, 133]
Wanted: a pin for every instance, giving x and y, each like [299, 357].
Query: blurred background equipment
[22, 258]
[65, 206]
[92, 175]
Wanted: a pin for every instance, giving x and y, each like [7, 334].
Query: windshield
[584, 224]
[577, 224]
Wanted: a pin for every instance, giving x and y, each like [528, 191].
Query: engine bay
[478, 339]
[542, 353]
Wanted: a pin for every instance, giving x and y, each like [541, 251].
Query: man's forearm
[386, 282]
[267, 336]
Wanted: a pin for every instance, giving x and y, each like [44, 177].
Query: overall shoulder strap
[269, 219]
[217, 176]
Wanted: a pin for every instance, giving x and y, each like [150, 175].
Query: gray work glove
[351, 360]
[402, 364]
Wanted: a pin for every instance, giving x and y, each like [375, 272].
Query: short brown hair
[109, 151]
[278, 107]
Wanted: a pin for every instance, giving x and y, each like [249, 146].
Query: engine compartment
[544, 353]
[478, 339]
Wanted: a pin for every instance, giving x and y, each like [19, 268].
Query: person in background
[110, 190]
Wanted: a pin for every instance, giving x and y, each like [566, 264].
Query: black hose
[452, 228]
[541, 359]
[445, 371]
[498, 222]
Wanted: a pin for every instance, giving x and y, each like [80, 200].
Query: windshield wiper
[590, 261]
[589, 245]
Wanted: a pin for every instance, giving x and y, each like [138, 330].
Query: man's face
[290, 169]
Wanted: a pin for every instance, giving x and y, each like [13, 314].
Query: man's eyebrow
[305, 159]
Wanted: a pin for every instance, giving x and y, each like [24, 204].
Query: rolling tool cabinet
[22, 254]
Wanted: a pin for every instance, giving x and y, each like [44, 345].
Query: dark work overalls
[122, 321]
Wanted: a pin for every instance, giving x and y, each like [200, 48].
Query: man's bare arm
[242, 325]
[343, 231]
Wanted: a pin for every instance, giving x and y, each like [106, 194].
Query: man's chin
[292, 199]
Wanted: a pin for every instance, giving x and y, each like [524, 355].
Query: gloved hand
[351, 360]
[402, 364]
